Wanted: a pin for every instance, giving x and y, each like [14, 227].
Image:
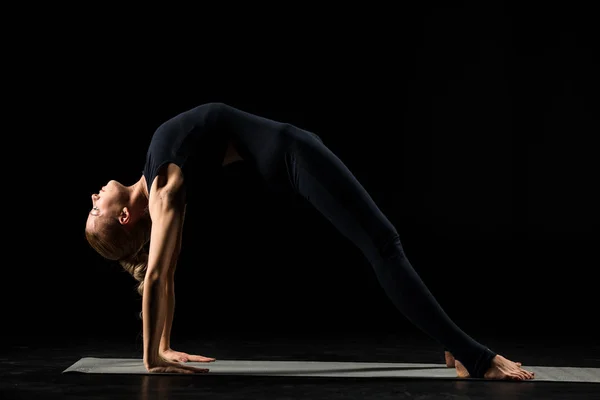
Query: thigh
[319, 176]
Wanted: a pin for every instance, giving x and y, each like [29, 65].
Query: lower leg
[411, 296]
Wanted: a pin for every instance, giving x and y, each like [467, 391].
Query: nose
[94, 196]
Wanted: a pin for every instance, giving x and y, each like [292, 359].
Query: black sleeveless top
[196, 140]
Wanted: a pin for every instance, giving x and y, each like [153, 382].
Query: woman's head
[118, 226]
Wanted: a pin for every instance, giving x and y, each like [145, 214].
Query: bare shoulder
[168, 185]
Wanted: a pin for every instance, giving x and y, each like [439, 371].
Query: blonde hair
[128, 246]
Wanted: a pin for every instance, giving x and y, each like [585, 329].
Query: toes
[527, 375]
[523, 376]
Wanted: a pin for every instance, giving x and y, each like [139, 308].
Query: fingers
[199, 359]
[192, 359]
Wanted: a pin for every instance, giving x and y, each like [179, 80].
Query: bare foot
[461, 371]
[501, 369]
[449, 359]
[451, 362]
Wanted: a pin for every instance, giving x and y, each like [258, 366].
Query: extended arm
[165, 350]
[165, 340]
[166, 210]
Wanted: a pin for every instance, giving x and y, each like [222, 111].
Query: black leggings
[320, 177]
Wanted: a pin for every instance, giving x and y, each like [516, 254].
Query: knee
[391, 247]
[315, 136]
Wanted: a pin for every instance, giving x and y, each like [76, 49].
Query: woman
[189, 148]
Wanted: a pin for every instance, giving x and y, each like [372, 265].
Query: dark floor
[31, 369]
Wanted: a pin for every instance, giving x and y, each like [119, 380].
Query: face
[108, 201]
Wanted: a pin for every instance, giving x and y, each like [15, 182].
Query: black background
[473, 126]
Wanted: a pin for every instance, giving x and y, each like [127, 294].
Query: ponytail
[136, 265]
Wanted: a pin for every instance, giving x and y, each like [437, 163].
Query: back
[190, 141]
[196, 140]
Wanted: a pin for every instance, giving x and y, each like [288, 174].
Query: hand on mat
[163, 366]
[178, 356]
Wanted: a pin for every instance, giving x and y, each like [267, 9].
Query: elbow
[154, 279]
[154, 286]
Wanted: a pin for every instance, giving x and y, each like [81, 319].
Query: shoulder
[168, 186]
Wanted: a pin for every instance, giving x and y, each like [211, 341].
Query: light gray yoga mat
[93, 365]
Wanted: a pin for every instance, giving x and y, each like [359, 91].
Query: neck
[139, 193]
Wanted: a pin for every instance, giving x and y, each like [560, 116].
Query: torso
[208, 137]
[231, 155]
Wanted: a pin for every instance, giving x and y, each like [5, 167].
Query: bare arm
[165, 340]
[166, 210]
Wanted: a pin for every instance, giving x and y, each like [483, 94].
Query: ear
[125, 216]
